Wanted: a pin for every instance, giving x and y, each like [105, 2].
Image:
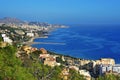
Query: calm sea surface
[85, 41]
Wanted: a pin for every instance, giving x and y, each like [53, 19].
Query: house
[65, 74]
[33, 49]
[86, 74]
[104, 68]
[74, 67]
[27, 49]
[106, 61]
[44, 51]
[20, 32]
[114, 69]
[3, 35]
[103, 61]
[50, 61]
[30, 34]
[84, 62]
[63, 59]
[6, 39]
[44, 55]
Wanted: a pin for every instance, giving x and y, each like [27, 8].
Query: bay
[85, 41]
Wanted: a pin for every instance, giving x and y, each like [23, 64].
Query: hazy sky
[62, 11]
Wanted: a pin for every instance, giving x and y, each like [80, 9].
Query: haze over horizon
[63, 11]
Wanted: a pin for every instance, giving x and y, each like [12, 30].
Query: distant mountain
[8, 20]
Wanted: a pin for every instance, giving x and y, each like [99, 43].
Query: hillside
[7, 20]
[28, 67]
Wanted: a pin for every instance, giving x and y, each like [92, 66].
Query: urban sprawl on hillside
[14, 32]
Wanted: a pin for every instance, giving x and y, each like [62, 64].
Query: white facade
[109, 68]
[30, 34]
[116, 68]
[7, 39]
[84, 73]
[103, 69]
[3, 35]
[74, 67]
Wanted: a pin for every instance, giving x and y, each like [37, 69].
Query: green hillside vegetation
[109, 77]
[29, 68]
[10, 66]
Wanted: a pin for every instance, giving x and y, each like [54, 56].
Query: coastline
[91, 46]
[31, 41]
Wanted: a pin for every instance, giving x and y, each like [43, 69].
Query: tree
[10, 66]
[74, 75]
[1, 39]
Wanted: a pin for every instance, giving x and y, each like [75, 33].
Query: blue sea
[85, 41]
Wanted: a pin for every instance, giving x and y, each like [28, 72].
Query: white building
[116, 68]
[7, 39]
[86, 74]
[109, 68]
[74, 67]
[30, 34]
[104, 69]
[103, 61]
[3, 35]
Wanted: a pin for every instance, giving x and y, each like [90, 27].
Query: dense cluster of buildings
[93, 68]
[87, 68]
[107, 69]
[44, 57]
[23, 31]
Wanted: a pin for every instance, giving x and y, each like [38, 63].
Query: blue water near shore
[85, 41]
